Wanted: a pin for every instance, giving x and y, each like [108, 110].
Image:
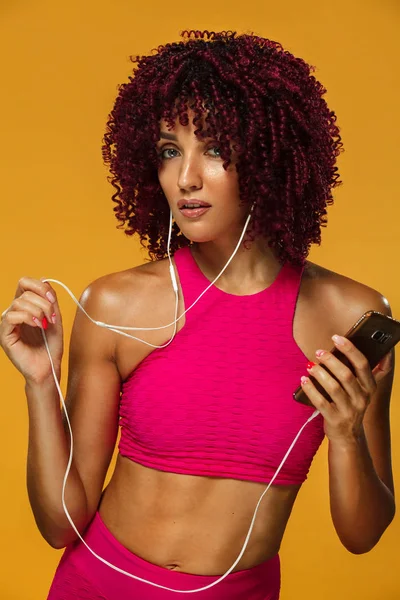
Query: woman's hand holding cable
[34, 308]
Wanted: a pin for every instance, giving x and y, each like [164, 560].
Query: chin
[198, 234]
[199, 239]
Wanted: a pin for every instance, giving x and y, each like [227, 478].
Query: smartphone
[374, 334]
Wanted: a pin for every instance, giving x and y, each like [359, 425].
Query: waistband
[261, 582]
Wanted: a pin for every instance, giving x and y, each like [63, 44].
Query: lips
[193, 202]
[193, 213]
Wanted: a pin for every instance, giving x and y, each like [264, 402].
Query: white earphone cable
[116, 328]
[174, 283]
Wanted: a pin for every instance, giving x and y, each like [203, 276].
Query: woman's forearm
[362, 506]
[48, 454]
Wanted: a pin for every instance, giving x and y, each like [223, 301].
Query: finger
[38, 286]
[336, 371]
[38, 306]
[4, 312]
[17, 317]
[316, 398]
[384, 366]
[42, 289]
[333, 387]
[52, 297]
[358, 360]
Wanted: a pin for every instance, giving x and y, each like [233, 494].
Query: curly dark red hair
[254, 94]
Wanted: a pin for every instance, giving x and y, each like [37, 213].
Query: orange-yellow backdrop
[61, 64]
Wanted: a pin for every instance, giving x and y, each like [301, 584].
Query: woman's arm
[360, 477]
[92, 401]
[358, 429]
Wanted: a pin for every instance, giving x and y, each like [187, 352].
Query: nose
[190, 176]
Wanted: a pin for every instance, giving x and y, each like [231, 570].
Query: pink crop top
[218, 401]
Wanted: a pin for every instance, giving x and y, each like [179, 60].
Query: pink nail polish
[320, 353]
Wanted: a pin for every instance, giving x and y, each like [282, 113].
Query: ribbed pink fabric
[218, 401]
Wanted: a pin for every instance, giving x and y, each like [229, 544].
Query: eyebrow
[168, 136]
[172, 136]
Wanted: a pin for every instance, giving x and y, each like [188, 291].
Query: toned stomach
[194, 524]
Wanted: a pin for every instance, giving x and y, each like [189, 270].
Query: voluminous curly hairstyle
[256, 98]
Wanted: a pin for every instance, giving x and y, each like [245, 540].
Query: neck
[251, 269]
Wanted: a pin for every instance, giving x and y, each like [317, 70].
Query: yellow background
[61, 64]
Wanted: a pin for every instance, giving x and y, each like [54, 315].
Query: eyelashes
[161, 152]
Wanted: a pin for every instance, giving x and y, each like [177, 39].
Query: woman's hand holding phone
[350, 392]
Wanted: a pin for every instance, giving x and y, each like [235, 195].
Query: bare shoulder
[129, 298]
[127, 289]
[341, 298]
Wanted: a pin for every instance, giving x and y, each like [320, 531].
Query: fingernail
[320, 353]
[36, 321]
[339, 340]
[53, 318]
[50, 297]
[44, 323]
[310, 365]
[303, 380]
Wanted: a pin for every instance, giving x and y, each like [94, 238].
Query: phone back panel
[374, 334]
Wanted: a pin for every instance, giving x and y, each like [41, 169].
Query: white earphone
[117, 329]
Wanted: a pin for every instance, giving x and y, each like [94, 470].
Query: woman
[215, 129]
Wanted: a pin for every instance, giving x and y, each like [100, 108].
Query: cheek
[225, 182]
[162, 176]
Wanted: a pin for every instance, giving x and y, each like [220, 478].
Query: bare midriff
[197, 524]
[194, 524]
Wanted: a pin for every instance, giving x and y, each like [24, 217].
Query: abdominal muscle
[193, 524]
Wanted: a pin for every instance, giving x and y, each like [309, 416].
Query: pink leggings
[80, 575]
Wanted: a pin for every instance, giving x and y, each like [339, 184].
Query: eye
[166, 157]
[216, 148]
[161, 153]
